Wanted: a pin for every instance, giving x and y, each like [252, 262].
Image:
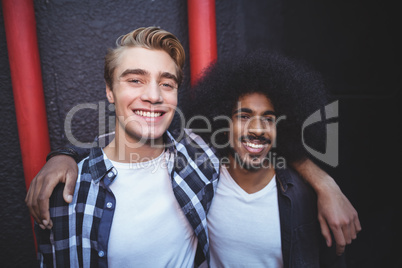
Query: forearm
[77, 153]
[314, 175]
[81, 152]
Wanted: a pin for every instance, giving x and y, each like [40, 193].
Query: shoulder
[293, 180]
[296, 188]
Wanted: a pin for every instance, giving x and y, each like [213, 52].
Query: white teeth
[253, 145]
[147, 114]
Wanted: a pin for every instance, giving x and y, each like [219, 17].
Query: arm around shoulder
[61, 167]
[335, 212]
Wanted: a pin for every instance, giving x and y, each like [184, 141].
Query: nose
[256, 127]
[152, 94]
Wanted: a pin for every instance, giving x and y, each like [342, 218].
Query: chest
[244, 227]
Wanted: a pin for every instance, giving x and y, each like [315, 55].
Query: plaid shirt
[80, 232]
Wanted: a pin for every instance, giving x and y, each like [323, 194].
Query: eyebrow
[169, 76]
[248, 110]
[269, 112]
[144, 72]
[134, 71]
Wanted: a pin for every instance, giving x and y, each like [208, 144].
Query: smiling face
[253, 131]
[144, 93]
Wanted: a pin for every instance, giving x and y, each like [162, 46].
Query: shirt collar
[99, 167]
[170, 142]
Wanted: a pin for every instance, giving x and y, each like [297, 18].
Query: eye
[270, 119]
[134, 81]
[243, 116]
[167, 85]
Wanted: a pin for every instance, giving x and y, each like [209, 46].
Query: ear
[109, 95]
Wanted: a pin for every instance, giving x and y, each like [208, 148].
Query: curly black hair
[295, 90]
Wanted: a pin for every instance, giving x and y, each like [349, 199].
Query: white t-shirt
[244, 229]
[149, 228]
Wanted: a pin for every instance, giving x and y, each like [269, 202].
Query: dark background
[352, 43]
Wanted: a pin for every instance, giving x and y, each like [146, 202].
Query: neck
[253, 180]
[125, 149]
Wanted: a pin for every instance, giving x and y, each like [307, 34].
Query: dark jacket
[302, 242]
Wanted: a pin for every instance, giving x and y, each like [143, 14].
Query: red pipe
[26, 78]
[202, 36]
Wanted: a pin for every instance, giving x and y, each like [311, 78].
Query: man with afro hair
[251, 109]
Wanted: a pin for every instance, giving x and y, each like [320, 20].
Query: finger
[325, 231]
[69, 187]
[353, 233]
[43, 201]
[357, 225]
[47, 224]
[29, 201]
[348, 233]
[44, 215]
[28, 197]
[32, 200]
[339, 240]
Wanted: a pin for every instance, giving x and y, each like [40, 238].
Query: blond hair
[152, 38]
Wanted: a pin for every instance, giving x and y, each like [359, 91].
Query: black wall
[353, 44]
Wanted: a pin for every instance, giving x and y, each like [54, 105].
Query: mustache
[261, 139]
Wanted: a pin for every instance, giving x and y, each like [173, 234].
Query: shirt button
[101, 253]
[109, 205]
